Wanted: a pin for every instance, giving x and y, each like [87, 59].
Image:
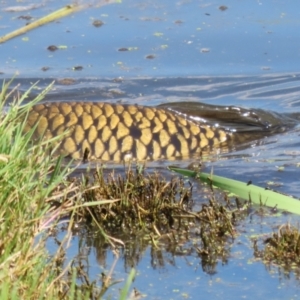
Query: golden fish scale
[116, 132]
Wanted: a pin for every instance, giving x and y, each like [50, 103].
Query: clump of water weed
[282, 248]
[137, 209]
[215, 228]
[136, 202]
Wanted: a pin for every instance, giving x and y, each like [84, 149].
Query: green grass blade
[126, 288]
[257, 194]
[58, 14]
[63, 12]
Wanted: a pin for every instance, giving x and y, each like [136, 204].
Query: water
[187, 38]
[192, 50]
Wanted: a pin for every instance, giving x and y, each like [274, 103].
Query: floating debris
[266, 68]
[77, 68]
[150, 56]
[21, 8]
[223, 7]
[158, 34]
[124, 49]
[52, 48]
[98, 23]
[205, 50]
[25, 17]
[66, 81]
[178, 22]
[44, 69]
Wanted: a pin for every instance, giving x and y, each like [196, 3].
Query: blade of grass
[26, 268]
[125, 289]
[29, 179]
[58, 14]
[255, 193]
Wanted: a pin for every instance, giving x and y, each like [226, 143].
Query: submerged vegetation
[127, 212]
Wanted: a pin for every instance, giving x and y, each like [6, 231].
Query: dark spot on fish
[135, 132]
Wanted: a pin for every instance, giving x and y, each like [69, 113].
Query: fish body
[118, 132]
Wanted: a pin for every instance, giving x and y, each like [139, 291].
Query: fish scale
[117, 132]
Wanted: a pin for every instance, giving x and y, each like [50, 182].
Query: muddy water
[152, 52]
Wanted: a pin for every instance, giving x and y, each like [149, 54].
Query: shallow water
[187, 50]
